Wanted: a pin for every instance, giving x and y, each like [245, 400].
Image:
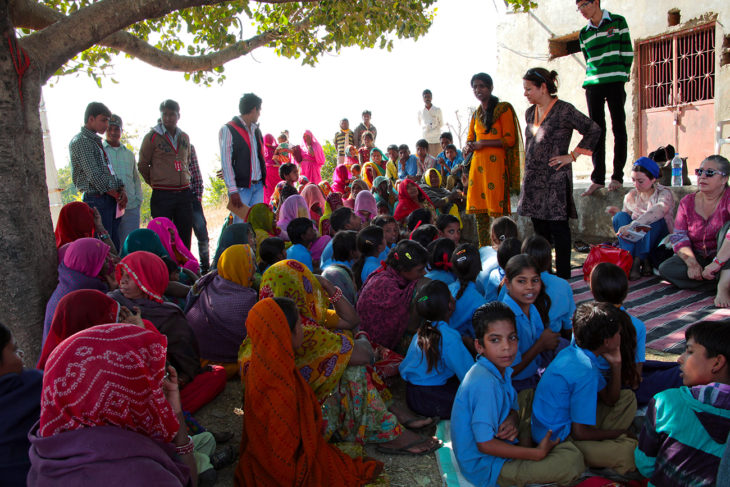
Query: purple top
[691, 230]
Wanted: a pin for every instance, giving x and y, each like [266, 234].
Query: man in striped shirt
[606, 46]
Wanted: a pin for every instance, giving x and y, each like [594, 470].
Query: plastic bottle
[677, 170]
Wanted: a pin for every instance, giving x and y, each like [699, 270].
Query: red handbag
[607, 253]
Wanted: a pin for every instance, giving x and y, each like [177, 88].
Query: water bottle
[677, 170]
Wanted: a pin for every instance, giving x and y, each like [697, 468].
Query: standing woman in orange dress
[496, 165]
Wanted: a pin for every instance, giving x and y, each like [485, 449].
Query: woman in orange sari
[497, 161]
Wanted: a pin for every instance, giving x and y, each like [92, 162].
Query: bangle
[336, 296]
[104, 236]
[572, 155]
[187, 448]
[718, 262]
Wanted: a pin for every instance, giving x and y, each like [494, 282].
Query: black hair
[487, 114]
[503, 228]
[403, 147]
[285, 192]
[713, 335]
[382, 220]
[367, 133]
[541, 76]
[447, 135]
[406, 255]
[515, 266]
[432, 305]
[290, 310]
[466, 264]
[422, 143]
[426, 91]
[270, 250]
[5, 337]
[440, 252]
[248, 102]
[595, 322]
[171, 265]
[488, 313]
[343, 243]
[720, 161]
[94, 109]
[418, 215]
[344, 120]
[450, 147]
[170, 105]
[393, 147]
[286, 169]
[609, 283]
[444, 220]
[368, 241]
[340, 218]
[540, 250]
[297, 228]
[425, 234]
[644, 171]
[506, 250]
[366, 112]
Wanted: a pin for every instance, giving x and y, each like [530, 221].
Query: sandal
[405, 450]
[223, 457]
[418, 417]
[581, 246]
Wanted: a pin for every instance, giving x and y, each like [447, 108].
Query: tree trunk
[28, 257]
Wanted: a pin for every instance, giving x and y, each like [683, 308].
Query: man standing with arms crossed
[430, 119]
[606, 46]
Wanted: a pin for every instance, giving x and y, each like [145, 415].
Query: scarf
[313, 196]
[76, 220]
[317, 152]
[236, 233]
[269, 149]
[237, 264]
[176, 249]
[326, 188]
[108, 375]
[87, 256]
[143, 239]
[365, 202]
[282, 442]
[148, 271]
[294, 206]
[332, 202]
[340, 179]
[370, 171]
[291, 279]
[406, 205]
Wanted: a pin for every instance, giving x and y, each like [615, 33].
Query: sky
[297, 97]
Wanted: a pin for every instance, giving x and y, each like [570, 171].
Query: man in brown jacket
[164, 163]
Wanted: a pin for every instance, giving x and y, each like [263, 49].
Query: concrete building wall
[522, 43]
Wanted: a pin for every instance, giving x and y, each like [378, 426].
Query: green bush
[216, 192]
[330, 155]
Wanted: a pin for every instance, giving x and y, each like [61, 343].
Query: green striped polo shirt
[607, 50]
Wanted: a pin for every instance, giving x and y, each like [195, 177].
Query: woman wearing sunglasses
[701, 249]
[647, 209]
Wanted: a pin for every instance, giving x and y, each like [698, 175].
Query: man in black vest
[242, 156]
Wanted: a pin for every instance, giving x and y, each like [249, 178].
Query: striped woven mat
[665, 310]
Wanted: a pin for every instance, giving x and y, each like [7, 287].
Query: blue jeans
[129, 223]
[643, 247]
[200, 228]
[250, 196]
[107, 207]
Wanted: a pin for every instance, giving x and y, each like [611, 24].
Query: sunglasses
[708, 172]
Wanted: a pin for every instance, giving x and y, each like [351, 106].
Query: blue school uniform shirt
[488, 257]
[482, 403]
[469, 301]
[441, 275]
[411, 167]
[371, 265]
[326, 257]
[384, 254]
[567, 393]
[345, 263]
[491, 286]
[454, 359]
[640, 344]
[529, 330]
[562, 303]
[458, 160]
[300, 253]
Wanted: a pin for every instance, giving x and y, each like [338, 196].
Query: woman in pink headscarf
[312, 158]
[340, 179]
[176, 249]
[272, 168]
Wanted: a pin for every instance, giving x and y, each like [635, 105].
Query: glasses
[583, 5]
[708, 172]
[534, 72]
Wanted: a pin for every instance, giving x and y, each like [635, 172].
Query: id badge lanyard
[178, 162]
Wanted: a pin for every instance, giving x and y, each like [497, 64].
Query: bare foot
[408, 419]
[722, 300]
[614, 185]
[410, 442]
[591, 189]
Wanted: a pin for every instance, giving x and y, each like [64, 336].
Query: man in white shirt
[431, 120]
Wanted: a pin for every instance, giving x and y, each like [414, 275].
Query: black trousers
[178, 207]
[557, 232]
[596, 97]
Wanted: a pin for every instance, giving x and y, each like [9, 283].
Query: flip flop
[405, 449]
[434, 422]
[581, 246]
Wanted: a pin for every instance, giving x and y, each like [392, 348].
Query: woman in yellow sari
[262, 220]
[494, 138]
[370, 171]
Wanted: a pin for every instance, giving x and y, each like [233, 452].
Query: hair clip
[395, 254]
[462, 251]
[501, 238]
[461, 259]
[409, 256]
[422, 299]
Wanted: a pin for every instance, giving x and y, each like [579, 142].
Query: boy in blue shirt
[344, 249]
[574, 401]
[302, 234]
[342, 219]
[408, 166]
[485, 419]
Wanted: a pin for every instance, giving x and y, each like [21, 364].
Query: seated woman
[410, 198]
[365, 207]
[276, 447]
[78, 220]
[386, 298]
[236, 233]
[218, 305]
[87, 436]
[355, 187]
[340, 179]
[648, 207]
[20, 403]
[385, 197]
[176, 249]
[143, 278]
[370, 171]
[315, 201]
[86, 265]
[143, 239]
[702, 253]
[442, 199]
[262, 221]
[295, 206]
[332, 202]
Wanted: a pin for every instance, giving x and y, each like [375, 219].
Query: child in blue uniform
[466, 265]
[370, 244]
[437, 359]
[502, 228]
[391, 232]
[449, 227]
[301, 233]
[494, 290]
[439, 260]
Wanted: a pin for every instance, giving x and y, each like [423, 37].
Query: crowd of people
[324, 293]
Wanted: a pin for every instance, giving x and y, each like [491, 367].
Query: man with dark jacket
[242, 156]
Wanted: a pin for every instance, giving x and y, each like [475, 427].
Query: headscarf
[326, 188]
[179, 253]
[333, 202]
[294, 206]
[375, 171]
[390, 200]
[269, 148]
[340, 178]
[382, 154]
[237, 264]
[87, 256]
[148, 271]
[108, 375]
[76, 220]
[313, 195]
[282, 442]
[365, 201]
[317, 152]
[291, 279]
[143, 239]
[427, 177]
[341, 276]
[78, 311]
[261, 218]
[236, 233]
[649, 165]
[406, 205]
